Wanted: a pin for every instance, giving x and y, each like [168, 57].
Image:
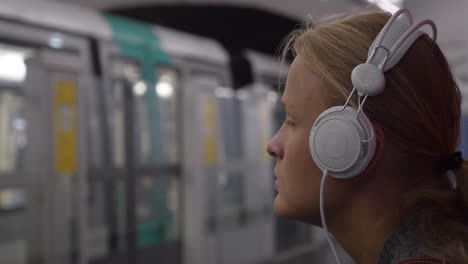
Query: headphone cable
[322, 216]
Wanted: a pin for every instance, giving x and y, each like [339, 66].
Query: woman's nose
[274, 148]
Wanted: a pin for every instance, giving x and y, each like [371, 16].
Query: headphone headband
[397, 36]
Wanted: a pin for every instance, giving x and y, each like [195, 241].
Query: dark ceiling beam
[235, 27]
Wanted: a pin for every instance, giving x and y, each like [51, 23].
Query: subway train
[123, 142]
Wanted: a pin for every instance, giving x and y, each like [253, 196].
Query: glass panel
[231, 182]
[231, 190]
[13, 127]
[155, 115]
[107, 191]
[106, 218]
[125, 74]
[211, 199]
[21, 239]
[96, 126]
[157, 210]
[98, 227]
[156, 142]
[13, 136]
[167, 91]
[230, 118]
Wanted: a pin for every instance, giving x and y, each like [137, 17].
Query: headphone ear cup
[336, 142]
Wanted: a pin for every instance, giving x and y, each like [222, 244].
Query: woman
[402, 206]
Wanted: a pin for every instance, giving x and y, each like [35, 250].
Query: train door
[200, 168]
[135, 172]
[257, 119]
[108, 182]
[42, 158]
[215, 171]
[234, 246]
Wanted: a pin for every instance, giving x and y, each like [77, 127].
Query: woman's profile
[407, 201]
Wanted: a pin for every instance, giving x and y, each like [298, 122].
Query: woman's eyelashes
[289, 122]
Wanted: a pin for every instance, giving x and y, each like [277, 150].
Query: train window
[155, 114]
[13, 136]
[230, 120]
[156, 145]
[126, 74]
[107, 218]
[95, 128]
[167, 91]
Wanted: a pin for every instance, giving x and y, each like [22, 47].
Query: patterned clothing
[402, 244]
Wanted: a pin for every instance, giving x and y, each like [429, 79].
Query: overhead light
[139, 88]
[164, 89]
[12, 66]
[388, 5]
[56, 41]
[166, 84]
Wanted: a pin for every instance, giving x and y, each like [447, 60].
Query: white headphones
[342, 138]
[342, 141]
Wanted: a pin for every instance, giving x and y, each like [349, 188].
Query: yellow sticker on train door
[65, 126]
[209, 121]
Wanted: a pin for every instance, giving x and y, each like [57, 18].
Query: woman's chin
[281, 207]
[285, 210]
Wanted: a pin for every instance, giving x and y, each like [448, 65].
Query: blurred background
[135, 131]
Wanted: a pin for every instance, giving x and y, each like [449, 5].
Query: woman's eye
[290, 123]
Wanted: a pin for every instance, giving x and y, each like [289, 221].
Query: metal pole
[130, 173]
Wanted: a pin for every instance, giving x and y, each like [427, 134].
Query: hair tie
[453, 162]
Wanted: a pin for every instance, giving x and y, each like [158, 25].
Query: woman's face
[298, 178]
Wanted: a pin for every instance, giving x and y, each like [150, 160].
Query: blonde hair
[419, 111]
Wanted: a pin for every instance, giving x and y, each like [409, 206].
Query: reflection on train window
[13, 126]
[157, 210]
